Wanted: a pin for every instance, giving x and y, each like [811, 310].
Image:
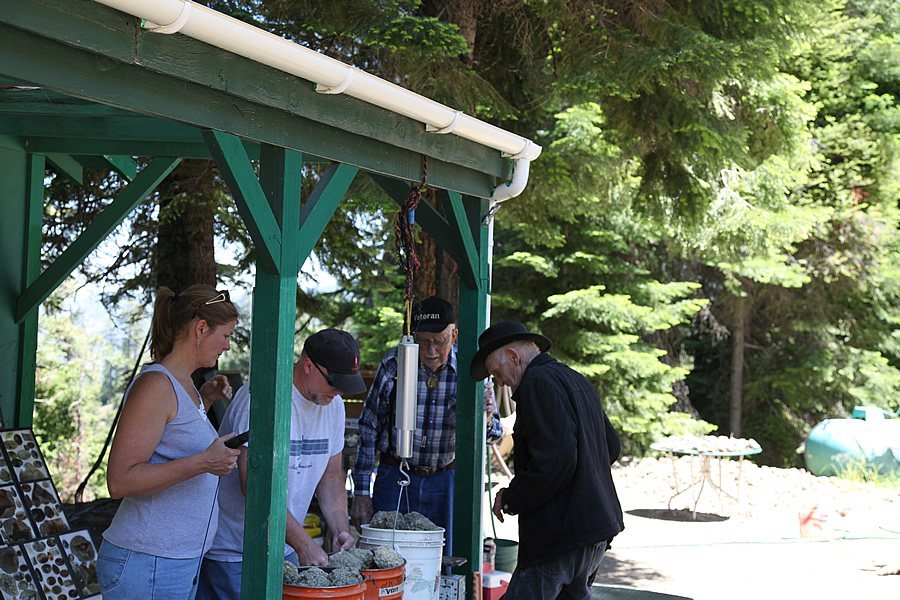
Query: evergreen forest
[710, 234]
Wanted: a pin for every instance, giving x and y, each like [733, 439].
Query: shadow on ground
[616, 572]
[681, 514]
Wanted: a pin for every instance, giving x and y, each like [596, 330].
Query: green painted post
[274, 314]
[470, 431]
[34, 207]
[15, 169]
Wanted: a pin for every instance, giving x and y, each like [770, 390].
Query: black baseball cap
[432, 315]
[338, 352]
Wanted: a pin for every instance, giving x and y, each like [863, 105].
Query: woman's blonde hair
[172, 313]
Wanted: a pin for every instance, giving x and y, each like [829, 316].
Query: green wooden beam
[470, 418]
[96, 232]
[319, 208]
[433, 222]
[237, 171]
[134, 127]
[36, 166]
[271, 356]
[67, 166]
[469, 266]
[123, 165]
[104, 56]
[96, 146]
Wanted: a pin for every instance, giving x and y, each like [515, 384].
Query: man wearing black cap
[563, 447]
[328, 367]
[434, 444]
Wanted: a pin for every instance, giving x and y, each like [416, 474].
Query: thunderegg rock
[412, 521]
[291, 573]
[386, 557]
[386, 519]
[313, 577]
[419, 522]
[344, 576]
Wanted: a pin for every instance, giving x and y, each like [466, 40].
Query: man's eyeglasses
[325, 375]
[220, 297]
[439, 343]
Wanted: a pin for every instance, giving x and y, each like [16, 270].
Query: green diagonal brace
[319, 208]
[237, 171]
[123, 165]
[68, 166]
[456, 211]
[431, 221]
[96, 232]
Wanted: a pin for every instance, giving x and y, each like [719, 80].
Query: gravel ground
[745, 541]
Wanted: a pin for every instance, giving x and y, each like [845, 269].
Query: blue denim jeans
[432, 496]
[128, 574]
[220, 580]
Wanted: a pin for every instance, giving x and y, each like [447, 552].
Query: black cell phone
[238, 440]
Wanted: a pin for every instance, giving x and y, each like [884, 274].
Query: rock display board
[40, 557]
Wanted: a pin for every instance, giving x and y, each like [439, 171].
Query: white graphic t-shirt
[317, 434]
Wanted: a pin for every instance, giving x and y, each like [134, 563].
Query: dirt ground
[745, 541]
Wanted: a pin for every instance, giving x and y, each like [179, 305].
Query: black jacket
[563, 490]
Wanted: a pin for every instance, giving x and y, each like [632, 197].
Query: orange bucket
[348, 592]
[384, 584]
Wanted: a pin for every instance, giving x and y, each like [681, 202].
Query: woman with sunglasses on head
[166, 457]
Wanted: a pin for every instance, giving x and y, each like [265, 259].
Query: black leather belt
[420, 471]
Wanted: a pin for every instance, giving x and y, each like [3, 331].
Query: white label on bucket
[389, 591]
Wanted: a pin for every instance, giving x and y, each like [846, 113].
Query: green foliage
[72, 416]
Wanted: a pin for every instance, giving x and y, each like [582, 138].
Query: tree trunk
[464, 13]
[738, 334]
[185, 252]
[438, 274]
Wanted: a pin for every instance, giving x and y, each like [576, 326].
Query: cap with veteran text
[432, 315]
[338, 352]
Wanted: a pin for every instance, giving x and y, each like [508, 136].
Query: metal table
[705, 469]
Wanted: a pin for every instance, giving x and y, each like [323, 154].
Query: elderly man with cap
[328, 367]
[434, 443]
[563, 447]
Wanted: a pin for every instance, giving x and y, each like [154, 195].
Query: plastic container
[384, 584]
[867, 441]
[507, 555]
[422, 551]
[488, 555]
[347, 592]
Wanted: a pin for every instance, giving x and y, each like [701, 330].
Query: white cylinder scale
[406, 388]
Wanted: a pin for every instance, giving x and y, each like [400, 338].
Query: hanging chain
[406, 242]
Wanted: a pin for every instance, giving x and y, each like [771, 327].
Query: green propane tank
[868, 439]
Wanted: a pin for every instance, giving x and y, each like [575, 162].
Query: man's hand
[216, 388]
[343, 541]
[361, 510]
[498, 505]
[310, 553]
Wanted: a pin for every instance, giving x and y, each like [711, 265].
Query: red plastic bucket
[384, 584]
[348, 592]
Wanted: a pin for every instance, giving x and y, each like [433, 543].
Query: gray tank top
[172, 523]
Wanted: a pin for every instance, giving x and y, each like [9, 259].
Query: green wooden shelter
[86, 83]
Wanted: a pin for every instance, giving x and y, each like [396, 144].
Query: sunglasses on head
[220, 297]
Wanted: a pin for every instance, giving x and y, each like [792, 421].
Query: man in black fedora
[563, 447]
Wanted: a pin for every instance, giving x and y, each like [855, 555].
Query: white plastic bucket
[422, 551]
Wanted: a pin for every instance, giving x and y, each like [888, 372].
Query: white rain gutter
[330, 76]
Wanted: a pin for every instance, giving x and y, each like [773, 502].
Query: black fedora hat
[497, 336]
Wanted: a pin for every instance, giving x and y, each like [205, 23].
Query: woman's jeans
[129, 575]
